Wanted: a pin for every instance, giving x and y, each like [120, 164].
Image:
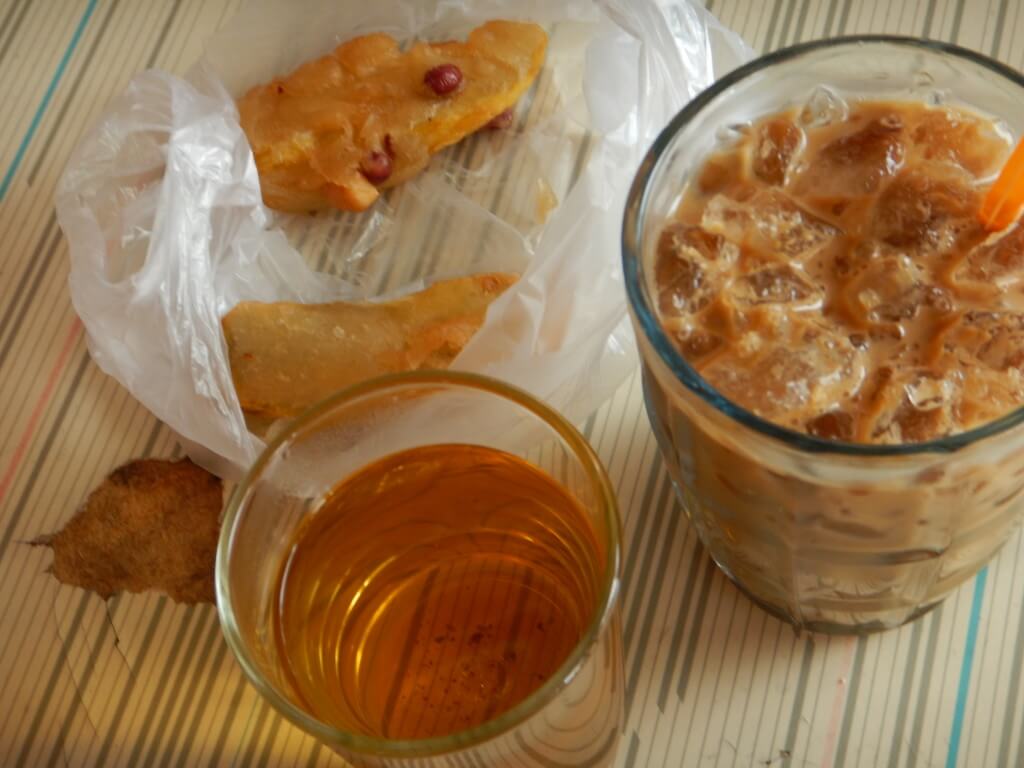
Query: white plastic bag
[161, 205]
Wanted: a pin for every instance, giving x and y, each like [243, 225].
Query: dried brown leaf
[151, 525]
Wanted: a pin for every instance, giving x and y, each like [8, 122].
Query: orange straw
[1004, 200]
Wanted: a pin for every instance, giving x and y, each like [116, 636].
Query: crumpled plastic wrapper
[161, 205]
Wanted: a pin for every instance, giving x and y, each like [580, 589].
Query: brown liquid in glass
[434, 590]
[827, 271]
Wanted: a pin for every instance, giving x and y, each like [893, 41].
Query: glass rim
[490, 729]
[642, 307]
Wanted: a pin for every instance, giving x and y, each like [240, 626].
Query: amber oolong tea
[433, 590]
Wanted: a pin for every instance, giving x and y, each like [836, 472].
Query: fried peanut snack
[368, 116]
[285, 357]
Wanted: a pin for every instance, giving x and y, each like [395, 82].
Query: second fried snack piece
[285, 357]
[367, 116]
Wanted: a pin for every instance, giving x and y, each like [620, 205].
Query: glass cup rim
[547, 692]
[640, 302]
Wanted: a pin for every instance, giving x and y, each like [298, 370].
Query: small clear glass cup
[831, 536]
[575, 717]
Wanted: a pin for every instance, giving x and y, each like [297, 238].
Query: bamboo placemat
[711, 680]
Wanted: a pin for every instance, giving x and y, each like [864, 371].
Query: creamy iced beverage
[828, 272]
[832, 345]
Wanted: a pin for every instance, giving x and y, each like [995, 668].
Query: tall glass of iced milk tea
[832, 343]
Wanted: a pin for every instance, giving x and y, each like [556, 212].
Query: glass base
[823, 627]
[887, 613]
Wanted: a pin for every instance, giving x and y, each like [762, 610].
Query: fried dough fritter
[368, 116]
[285, 357]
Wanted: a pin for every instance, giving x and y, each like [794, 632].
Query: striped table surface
[138, 680]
